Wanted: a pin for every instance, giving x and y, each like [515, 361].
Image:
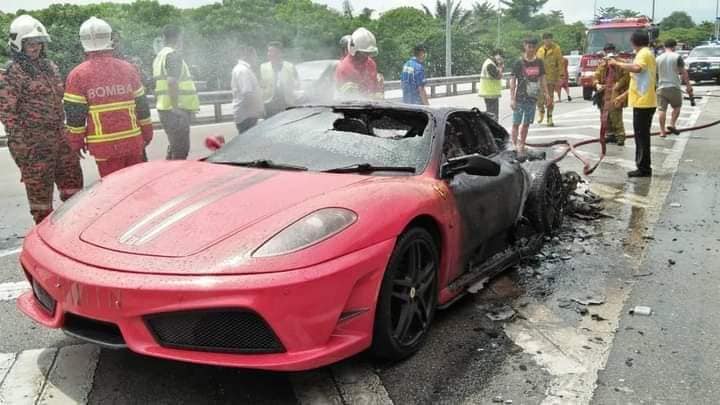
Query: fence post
[454, 89]
[218, 112]
[432, 91]
[474, 87]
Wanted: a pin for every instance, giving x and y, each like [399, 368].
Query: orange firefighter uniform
[107, 112]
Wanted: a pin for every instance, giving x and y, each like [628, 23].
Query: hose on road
[588, 167]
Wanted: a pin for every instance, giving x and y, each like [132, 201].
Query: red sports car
[320, 233]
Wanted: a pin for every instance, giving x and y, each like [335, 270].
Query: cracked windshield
[359, 202]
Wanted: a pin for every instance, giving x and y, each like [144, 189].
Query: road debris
[589, 300]
[671, 262]
[596, 317]
[498, 400]
[675, 205]
[641, 310]
[502, 313]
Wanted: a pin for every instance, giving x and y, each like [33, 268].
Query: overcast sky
[575, 10]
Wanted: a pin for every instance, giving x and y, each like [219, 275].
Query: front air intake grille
[43, 297]
[105, 334]
[221, 330]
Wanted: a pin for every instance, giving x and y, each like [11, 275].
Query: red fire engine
[610, 30]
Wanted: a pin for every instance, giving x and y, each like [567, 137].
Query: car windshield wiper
[264, 164]
[369, 168]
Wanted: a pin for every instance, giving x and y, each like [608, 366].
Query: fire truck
[610, 30]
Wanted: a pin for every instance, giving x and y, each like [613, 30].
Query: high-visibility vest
[187, 94]
[286, 82]
[489, 86]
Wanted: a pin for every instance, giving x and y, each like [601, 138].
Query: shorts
[524, 112]
[669, 95]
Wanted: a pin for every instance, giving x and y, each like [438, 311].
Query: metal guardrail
[451, 85]
[219, 98]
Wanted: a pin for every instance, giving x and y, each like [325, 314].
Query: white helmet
[362, 40]
[26, 27]
[96, 35]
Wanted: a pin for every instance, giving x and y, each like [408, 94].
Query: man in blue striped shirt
[413, 78]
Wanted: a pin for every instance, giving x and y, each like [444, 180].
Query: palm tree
[459, 17]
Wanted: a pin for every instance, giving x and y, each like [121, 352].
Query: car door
[487, 205]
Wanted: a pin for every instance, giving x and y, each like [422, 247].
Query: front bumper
[705, 74]
[319, 315]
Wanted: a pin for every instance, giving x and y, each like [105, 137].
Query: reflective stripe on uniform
[76, 130]
[121, 105]
[116, 136]
[74, 98]
[146, 121]
[139, 92]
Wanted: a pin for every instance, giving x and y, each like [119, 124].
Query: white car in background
[573, 69]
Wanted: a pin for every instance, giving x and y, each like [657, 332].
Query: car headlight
[307, 231]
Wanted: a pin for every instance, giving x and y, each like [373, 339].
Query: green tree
[678, 19]
[523, 10]
[614, 12]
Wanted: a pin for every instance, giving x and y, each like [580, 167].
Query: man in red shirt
[107, 114]
[356, 75]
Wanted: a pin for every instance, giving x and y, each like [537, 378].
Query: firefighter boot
[550, 122]
[621, 139]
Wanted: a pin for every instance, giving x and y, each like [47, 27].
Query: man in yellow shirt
[642, 99]
[551, 56]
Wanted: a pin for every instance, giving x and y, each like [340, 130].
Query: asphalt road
[553, 351]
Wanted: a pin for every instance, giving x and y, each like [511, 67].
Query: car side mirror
[474, 165]
[214, 142]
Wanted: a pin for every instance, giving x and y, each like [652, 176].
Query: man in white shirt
[671, 74]
[248, 104]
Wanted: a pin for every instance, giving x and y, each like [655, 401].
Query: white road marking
[10, 291]
[349, 382]
[10, 252]
[48, 376]
[358, 384]
[26, 378]
[71, 379]
[315, 387]
[563, 349]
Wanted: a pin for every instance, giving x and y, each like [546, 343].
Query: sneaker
[620, 141]
[550, 121]
[610, 138]
[673, 130]
[640, 173]
[569, 98]
[541, 117]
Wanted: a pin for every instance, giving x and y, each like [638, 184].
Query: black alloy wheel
[408, 296]
[545, 206]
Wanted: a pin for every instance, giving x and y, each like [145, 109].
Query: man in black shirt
[528, 78]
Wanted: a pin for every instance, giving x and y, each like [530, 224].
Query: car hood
[186, 210]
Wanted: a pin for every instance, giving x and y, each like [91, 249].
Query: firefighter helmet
[363, 41]
[96, 35]
[26, 27]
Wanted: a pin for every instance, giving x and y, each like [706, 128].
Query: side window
[483, 136]
[455, 143]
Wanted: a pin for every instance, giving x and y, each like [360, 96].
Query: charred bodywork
[323, 232]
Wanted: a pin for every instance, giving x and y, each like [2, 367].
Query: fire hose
[589, 167]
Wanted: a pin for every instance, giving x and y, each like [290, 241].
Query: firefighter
[552, 57]
[107, 114]
[31, 111]
[356, 75]
[611, 83]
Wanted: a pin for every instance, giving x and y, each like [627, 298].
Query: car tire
[545, 205]
[409, 289]
[587, 93]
